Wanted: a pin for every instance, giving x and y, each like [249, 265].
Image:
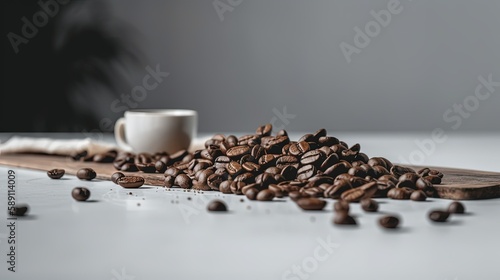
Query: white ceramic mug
[156, 130]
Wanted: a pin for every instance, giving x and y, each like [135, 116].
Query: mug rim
[162, 112]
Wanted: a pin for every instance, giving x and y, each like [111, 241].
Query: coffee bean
[369, 205]
[337, 189]
[434, 172]
[433, 179]
[341, 206]
[168, 182]
[172, 171]
[80, 193]
[236, 187]
[225, 187]
[425, 186]
[327, 141]
[237, 152]
[129, 167]
[399, 193]
[289, 172]
[398, 170]
[278, 191]
[146, 167]
[265, 195]
[214, 181]
[343, 218]
[298, 148]
[131, 182]
[251, 193]
[306, 172]
[257, 151]
[55, 173]
[389, 222]
[439, 216]
[160, 166]
[314, 157]
[295, 195]
[246, 177]
[423, 172]
[264, 130]
[311, 203]
[357, 171]
[353, 195]
[456, 208]
[284, 161]
[331, 160]
[418, 196]
[380, 171]
[116, 176]
[234, 168]
[20, 209]
[337, 169]
[104, 157]
[216, 206]
[86, 174]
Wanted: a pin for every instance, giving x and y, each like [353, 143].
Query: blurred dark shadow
[68, 70]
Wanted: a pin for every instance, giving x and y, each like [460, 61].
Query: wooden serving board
[457, 184]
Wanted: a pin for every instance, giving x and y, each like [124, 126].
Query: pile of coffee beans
[315, 166]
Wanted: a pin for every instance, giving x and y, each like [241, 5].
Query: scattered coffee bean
[343, 218]
[456, 208]
[116, 176]
[389, 222]
[369, 205]
[439, 215]
[20, 209]
[80, 193]
[131, 182]
[252, 193]
[217, 206]
[341, 206]
[55, 173]
[86, 174]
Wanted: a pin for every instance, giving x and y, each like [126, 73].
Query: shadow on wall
[61, 60]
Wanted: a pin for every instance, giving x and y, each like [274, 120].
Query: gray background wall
[270, 54]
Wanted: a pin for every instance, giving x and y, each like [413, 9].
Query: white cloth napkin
[17, 144]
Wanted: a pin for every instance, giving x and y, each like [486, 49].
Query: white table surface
[171, 237]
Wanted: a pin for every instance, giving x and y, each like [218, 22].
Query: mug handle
[120, 135]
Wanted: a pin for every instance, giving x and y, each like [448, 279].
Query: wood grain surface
[457, 184]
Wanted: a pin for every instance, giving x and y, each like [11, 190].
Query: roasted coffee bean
[326, 150]
[282, 133]
[388, 177]
[433, 179]
[183, 181]
[19, 210]
[318, 180]
[265, 179]
[131, 182]
[273, 170]
[247, 158]
[86, 174]
[247, 139]
[397, 170]
[295, 195]
[353, 195]
[357, 171]
[341, 206]
[284, 161]
[143, 158]
[423, 172]
[214, 181]
[278, 178]
[237, 152]
[217, 206]
[331, 160]
[336, 190]
[116, 176]
[264, 130]
[456, 208]
[212, 143]
[439, 215]
[257, 151]
[337, 169]
[426, 186]
[160, 166]
[267, 160]
[232, 140]
[129, 167]
[312, 191]
[399, 193]
[380, 171]
[410, 177]
[314, 157]
[343, 218]
[251, 193]
[80, 193]
[434, 172]
[389, 222]
[377, 161]
[311, 204]
[307, 138]
[104, 157]
[203, 176]
[327, 141]
[418, 196]
[250, 166]
[356, 181]
[298, 148]
[225, 187]
[252, 185]
[173, 171]
[369, 205]
[306, 172]
[246, 177]
[275, 144]
[178, 156]
[236, 187]
[278, 191]
[265, 195]
[222, 161]
[169, 180]
[234, 168]
[146, 167]
[289, 172]
[55, 173]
